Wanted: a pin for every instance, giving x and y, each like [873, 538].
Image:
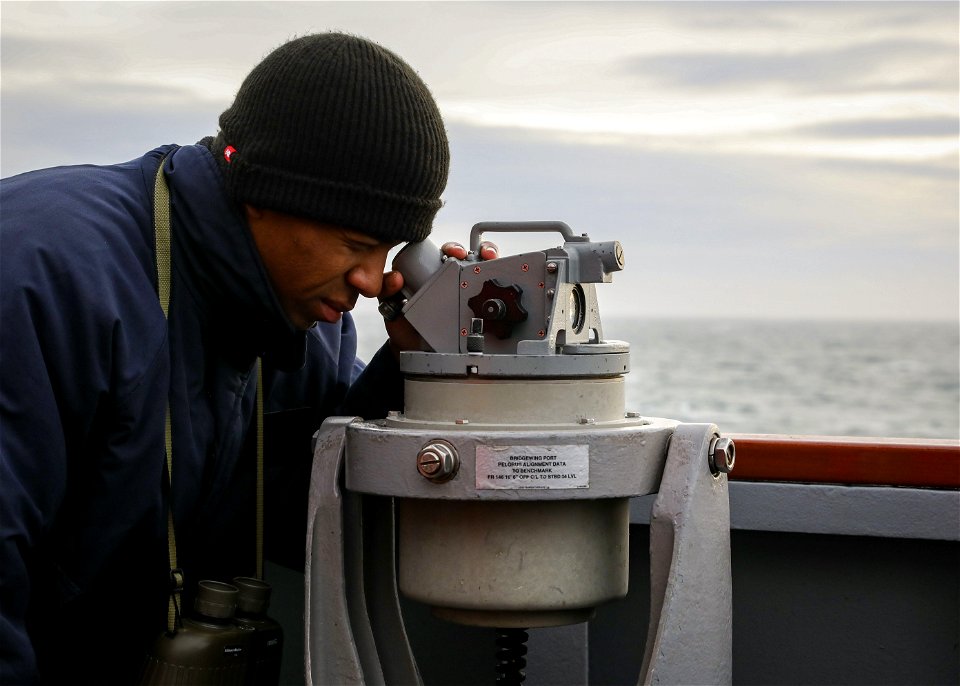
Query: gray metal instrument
[510, 471]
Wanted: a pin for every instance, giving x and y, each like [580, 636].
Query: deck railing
[910, 462]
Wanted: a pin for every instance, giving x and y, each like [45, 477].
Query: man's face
[317, 270]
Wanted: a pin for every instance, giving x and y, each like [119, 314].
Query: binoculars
[228, 640]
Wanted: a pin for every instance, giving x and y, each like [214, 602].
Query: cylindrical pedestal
[514, 564]
[524, 562]
[511, 402]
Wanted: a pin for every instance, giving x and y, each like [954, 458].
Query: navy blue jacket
[88, 364]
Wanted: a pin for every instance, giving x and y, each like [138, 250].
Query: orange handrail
[913, 462]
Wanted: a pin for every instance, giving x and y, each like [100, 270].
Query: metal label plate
[500, 467]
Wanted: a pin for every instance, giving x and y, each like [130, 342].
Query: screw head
[551, 267]
[438, 461]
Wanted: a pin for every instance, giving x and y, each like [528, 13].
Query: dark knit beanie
[340, 130]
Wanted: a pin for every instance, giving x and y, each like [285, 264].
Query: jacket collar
[218, 262]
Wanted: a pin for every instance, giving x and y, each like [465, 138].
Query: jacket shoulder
[77, 251]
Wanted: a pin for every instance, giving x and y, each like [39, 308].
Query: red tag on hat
[228, 152]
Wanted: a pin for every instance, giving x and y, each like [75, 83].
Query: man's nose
[367, 276]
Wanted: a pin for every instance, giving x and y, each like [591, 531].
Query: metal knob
[438, 461]
[494, 309]
[722, 455]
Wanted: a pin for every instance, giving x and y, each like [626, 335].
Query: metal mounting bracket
[690, 636]
[352, 604]
[351, 601]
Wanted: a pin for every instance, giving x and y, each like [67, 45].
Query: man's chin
[306, 325]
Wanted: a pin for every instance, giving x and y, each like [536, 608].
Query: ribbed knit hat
[337, 129]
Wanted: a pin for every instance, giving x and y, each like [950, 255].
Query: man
[332, 153]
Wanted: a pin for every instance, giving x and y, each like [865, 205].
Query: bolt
[551, 267]
[632, 415]
[722, 455]
[551, 292]
[586, 420]
[438, 461]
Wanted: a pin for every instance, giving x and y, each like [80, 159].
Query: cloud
[906, 127]
[102, 71]
[669, 170]
[941, 169]
[870, 66]
[788, 235]
[699, 201]
[805, 18]
[52, 126]
[28, 56]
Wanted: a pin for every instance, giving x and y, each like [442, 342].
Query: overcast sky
[790, 160]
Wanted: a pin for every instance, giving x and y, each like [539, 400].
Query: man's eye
[357, 246]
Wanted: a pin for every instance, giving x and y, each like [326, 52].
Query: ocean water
[892, 379]
[826, 378]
